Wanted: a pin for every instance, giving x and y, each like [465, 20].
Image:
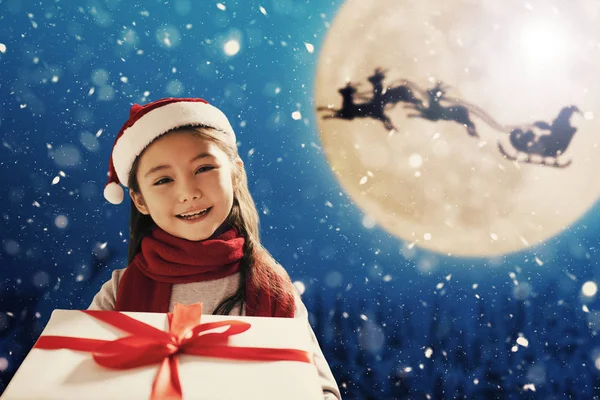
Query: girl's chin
[196, 238]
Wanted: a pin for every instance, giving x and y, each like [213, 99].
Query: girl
[194, 234]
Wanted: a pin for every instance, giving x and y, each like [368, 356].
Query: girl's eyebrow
[160, 167]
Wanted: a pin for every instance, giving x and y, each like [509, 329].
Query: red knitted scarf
[165, 259]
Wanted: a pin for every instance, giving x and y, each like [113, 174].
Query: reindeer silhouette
[549, 145]
[375, 105]
[351, 110]
[392, 94]
[435, 111]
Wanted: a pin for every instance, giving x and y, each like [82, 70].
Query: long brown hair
[243, 217]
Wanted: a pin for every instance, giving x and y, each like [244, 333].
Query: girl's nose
[189, 190]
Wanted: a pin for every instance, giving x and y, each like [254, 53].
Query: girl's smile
[192, 217]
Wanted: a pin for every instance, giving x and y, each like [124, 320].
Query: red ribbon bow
[147, 345]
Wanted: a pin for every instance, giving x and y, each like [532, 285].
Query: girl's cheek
[216, 182]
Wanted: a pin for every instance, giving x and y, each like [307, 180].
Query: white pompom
[113, 192]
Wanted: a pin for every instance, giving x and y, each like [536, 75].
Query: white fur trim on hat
[159, 121]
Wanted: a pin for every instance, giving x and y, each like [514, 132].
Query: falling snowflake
[529, 386]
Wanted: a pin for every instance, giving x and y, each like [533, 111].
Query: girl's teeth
[194, 216]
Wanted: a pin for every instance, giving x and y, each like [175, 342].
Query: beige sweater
[211, 293]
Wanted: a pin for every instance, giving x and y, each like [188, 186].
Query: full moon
[493, 118]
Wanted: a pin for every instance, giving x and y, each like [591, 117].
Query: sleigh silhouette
[548, 145]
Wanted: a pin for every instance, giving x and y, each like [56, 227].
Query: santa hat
[148, 122]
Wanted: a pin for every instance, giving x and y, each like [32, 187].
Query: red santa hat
[148, 122]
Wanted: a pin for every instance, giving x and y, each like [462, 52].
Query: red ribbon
[147, 345]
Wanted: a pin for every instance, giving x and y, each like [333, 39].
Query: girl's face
[182, 173]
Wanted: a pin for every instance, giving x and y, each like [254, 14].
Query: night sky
[69, 74]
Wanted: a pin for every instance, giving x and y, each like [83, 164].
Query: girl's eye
[205, 168]
[160, 182]
[201, 169]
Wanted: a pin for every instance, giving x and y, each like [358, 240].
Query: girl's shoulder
[116, 276]
[105, 299]
[115, 279]
[301, 311]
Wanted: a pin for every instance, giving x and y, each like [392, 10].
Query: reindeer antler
[350, 83]
[443, 86]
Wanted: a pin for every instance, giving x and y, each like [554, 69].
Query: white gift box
[68, 374]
